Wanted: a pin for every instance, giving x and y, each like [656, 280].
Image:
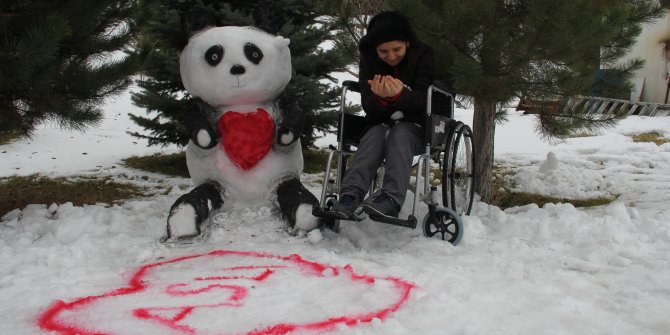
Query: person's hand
[376, 85]
[392, 86]
[385, 86]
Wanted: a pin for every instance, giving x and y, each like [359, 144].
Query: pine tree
[163, 95]
[496, 50]
[59, 60]
[350, 19]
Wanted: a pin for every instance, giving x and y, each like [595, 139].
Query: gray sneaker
[382, 205]
[344, 208]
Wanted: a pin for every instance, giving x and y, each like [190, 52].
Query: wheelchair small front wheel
[443, 223]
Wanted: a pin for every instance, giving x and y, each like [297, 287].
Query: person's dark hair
[384, 27]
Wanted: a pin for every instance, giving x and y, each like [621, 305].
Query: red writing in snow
[231, 292]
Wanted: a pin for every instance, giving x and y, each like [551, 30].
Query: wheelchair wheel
[443, 223]
[458, 170]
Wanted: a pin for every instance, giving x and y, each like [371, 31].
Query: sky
[554, 269]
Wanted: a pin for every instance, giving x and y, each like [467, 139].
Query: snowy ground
[527, 270]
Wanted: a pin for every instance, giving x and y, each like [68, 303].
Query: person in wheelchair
[395, 72]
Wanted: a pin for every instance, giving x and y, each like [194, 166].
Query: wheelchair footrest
[318, 212]
[409, 223]
[322, 213]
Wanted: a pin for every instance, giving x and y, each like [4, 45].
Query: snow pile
[562, 180]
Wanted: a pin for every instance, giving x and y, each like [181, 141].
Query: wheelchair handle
[352, 85]
[443, 87]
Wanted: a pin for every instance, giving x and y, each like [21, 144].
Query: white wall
[656, 68]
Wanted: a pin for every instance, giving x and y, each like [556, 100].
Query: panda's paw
[286, 137]
[182, 222]
[304, 220]
[204, 138]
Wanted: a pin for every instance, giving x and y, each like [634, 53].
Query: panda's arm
[292, 121]
[198, 124]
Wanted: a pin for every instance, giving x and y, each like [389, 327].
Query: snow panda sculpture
[244, 143]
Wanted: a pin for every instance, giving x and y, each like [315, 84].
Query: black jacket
[416, 71]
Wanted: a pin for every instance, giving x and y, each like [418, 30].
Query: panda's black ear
[196, 19]
[268, 17]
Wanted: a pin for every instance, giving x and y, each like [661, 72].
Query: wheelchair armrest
[352, 85]
[352, 129]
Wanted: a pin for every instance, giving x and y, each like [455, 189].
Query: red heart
[227, 292]
[246, 137]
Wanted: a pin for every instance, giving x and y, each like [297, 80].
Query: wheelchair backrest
[352, 129]
[440, 114]
[439, 131]
[440, 100]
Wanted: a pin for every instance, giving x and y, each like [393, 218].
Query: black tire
[445, 159]
[443, 223]
[462, 179]
[458, 177]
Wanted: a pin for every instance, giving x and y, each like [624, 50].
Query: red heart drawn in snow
[232, 292]
[246, 137]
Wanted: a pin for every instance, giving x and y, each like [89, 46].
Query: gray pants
[398, 145]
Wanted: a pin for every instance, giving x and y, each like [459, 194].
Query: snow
[304, 220]
[525, 270]
[52, 151]
[182, 221]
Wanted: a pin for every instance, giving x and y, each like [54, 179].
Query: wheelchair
[448, 154]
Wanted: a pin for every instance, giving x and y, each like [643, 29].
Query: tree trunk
[493, 42]
[483, 131]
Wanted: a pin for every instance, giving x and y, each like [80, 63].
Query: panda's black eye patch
[253, 53]
[214, 55]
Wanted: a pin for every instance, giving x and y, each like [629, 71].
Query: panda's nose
[237, 69]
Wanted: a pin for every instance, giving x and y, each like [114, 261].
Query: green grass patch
[315, 160]
[172, 164]
[17, 192]
[653, 137]
[8, 137]
[504, 197]
[507, 199]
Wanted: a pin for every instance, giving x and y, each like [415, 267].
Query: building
[653, 46]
